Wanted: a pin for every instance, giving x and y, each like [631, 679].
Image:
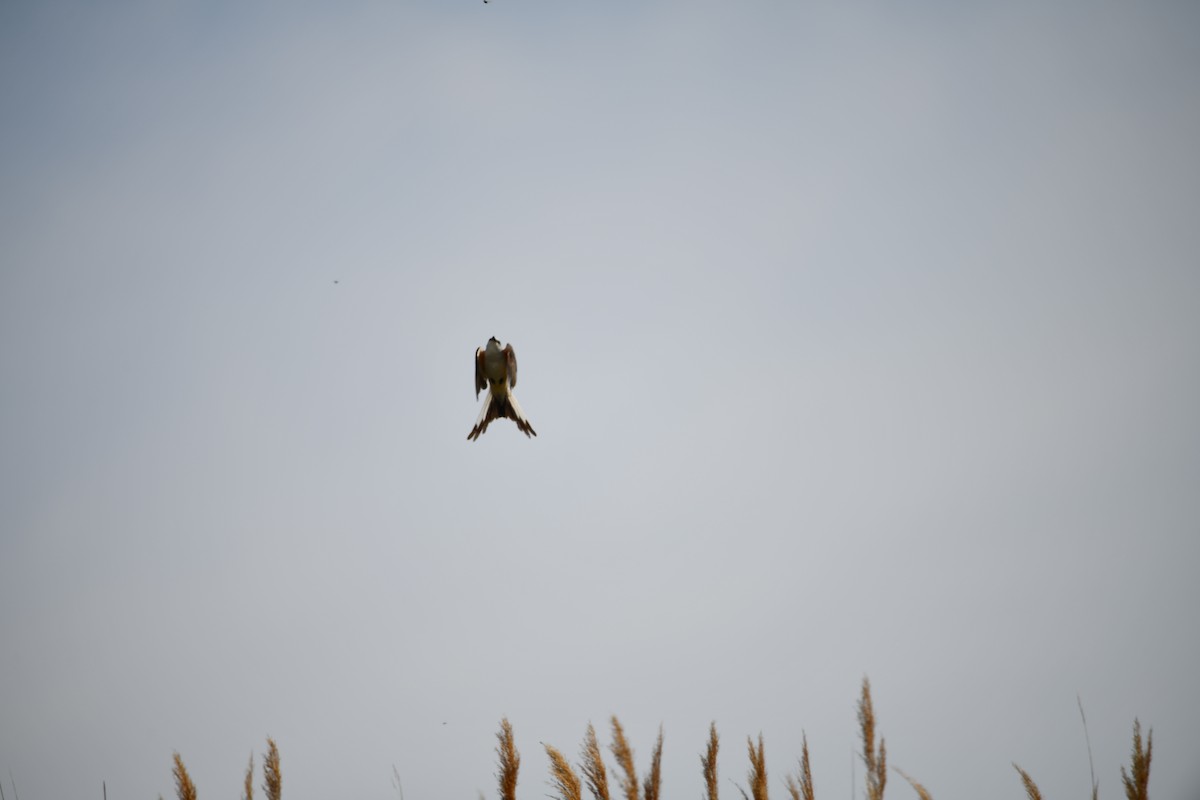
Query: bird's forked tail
[500, 408]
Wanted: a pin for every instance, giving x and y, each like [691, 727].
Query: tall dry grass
[568, 784]
[248, 782]
[594, 772]
[1136, 781]
[757, 774]
[653, 783]
[921, 791]
[1031, 789]
[1137, 785]
[708, 762]
[800, 787]
[623, 753]
[272, 776]
[508, 760]
[184, 788]
[875, 761]
[563, 775]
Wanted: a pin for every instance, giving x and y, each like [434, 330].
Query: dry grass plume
[508, 760]
[272, 777]
[653, 783]
[623, 753]
[874, 760]
[757, 776]
[921, 791]
[800, 787]
[248, 783]
[1137, 785]
[564, 778]
[568, 783]
[184, 788]
[709, 762]
[1031, 788]
[593, 766]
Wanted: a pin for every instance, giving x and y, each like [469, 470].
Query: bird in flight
[496, 371]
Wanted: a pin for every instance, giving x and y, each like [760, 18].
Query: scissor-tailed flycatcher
[496, 371]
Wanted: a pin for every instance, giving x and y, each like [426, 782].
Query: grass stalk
[874, 760]
[564, 778]
[272, 776]
[653, 782]
[1031, 788]
[1088, 739]
[248, 782]
[508, 760]
[594, 771]
[623, 753]
[184, 788]
[709, 762]
[1137, 785]
[396, 783]
[800, 787]
[921, 791]
[757, 776]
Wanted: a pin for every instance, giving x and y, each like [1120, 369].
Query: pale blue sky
[860, 339]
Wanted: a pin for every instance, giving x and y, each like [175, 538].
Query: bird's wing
[480, 379]
[510, 359]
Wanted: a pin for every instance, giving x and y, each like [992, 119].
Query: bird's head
[493, 339]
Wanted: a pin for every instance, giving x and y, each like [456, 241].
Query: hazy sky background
[861, 339]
